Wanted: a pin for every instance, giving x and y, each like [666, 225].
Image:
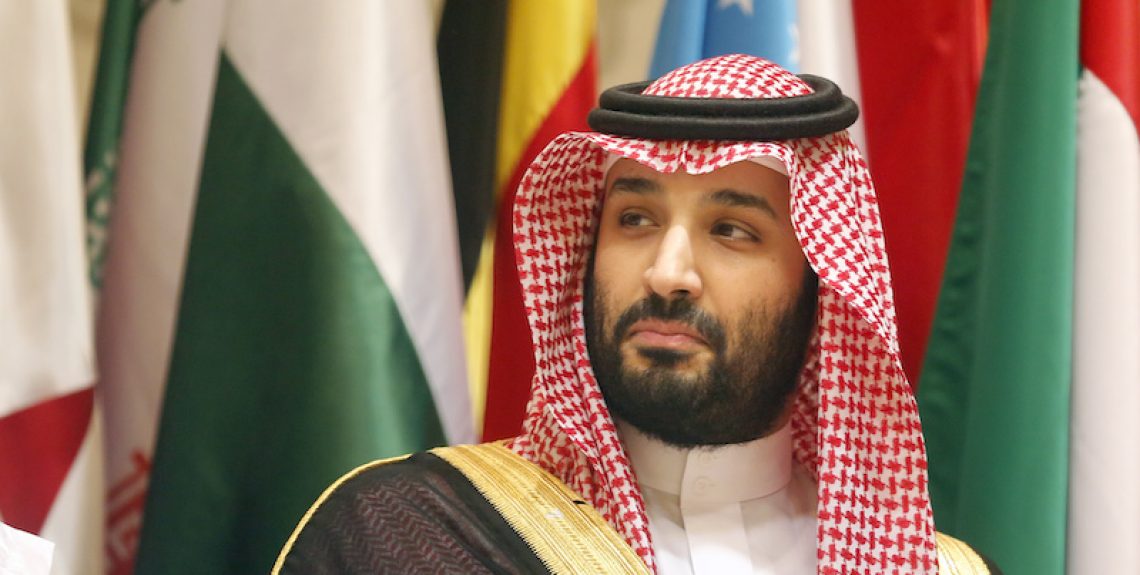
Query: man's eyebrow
[736, 198]
[633, 185]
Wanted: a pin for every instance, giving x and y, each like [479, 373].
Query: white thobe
[745, 508]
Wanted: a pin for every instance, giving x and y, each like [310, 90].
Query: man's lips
[667, 334]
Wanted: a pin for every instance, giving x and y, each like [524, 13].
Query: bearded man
[718, 386]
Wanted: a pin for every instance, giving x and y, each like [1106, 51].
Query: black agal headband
[625, 111]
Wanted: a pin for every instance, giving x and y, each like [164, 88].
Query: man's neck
[713, 474]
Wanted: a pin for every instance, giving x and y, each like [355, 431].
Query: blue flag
[695, 29]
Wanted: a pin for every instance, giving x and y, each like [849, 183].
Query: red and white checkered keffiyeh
[855, 423]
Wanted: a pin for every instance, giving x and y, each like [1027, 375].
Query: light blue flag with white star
[695, 29]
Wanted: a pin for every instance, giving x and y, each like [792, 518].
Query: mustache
[680, 310]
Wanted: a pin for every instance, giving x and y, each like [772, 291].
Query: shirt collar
[711, 475]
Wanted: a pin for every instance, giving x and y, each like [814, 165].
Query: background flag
[282, 276]
[919, 64]
[995, 387]
[51, 472]
[826, 39]
[105, 125]
[627, 32]
[1104, 503]
[549, 85]
[147, 125]
[695, 29]
[470, 50]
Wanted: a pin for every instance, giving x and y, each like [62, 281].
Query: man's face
[697, 308]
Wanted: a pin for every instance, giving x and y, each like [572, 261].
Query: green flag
[282, 291]
[105, 126]
[994, 393]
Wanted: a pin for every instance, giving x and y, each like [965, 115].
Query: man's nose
[673, 273]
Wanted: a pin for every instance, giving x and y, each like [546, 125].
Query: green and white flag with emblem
[281, 296]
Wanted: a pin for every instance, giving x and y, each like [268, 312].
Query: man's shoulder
[472, 508]
[957, 557]
[405, 476]
[406, 514]
[448, 471]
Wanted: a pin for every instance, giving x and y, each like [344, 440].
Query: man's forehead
[628, 164]
[740, 184]
[617, 167]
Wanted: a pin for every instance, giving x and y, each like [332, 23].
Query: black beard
[740, 397]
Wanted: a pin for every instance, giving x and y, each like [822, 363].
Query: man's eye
[633, 220]
[734, 232]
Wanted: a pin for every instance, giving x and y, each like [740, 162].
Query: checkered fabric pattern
[855, 422]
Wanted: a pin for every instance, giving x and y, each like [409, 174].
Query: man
[717, 384]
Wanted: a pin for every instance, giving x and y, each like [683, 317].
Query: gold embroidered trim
[957, 558]
[320, 501]
[567, 537]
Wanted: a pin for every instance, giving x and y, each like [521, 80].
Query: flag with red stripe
[1105, 465]
[50, 439]
[919, 68]
[549, 85]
